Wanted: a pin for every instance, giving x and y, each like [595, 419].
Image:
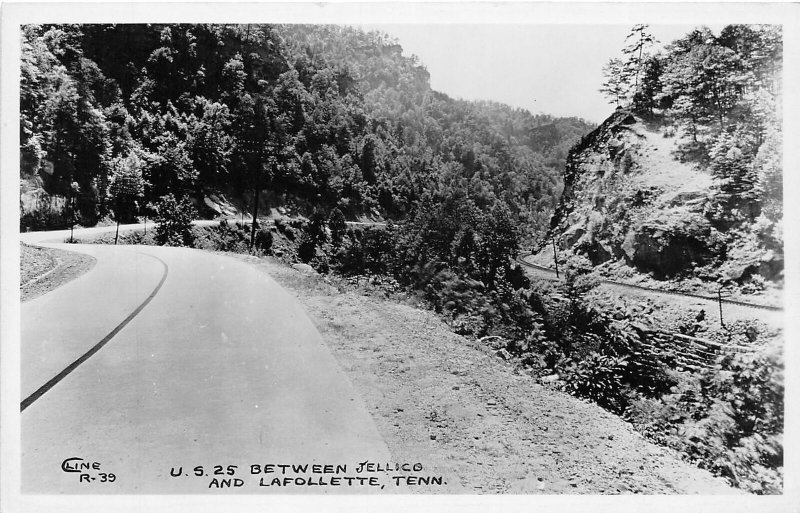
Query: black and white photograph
[526, 252]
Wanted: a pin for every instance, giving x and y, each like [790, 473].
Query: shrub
[264, 240]
[338, 227]
[174, 218]
[315, 228]
[43, 219]
[137, 237]
[729, 419]
[745, 419]
[366, 251]
[597, 377]
[306, 249]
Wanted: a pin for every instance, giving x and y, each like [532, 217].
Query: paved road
[731, 311]
[220, 367]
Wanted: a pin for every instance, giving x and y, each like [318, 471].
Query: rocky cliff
[629, 202]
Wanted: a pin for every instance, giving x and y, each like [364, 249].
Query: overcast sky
[551, 69]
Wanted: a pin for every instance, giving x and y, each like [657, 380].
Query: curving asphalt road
[219, 366]
[772, 316]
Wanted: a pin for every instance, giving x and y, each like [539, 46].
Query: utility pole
[256, 194]
[555, 255]
[116, 214]
[71, 217]
[255, 147]
[719, 298]
[71, 207]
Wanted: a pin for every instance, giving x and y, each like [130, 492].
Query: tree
[722, 80]
[126, 188]
[624, 78]
[209, 144]
[769, 164]
[498, 244]
[738, 182]
[316, 228]
[368, 161]
[174, 218]
[338, 227]
[617, 82]
[637, 52]
[645, 99]
[701, 80]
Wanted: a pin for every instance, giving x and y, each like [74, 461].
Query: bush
[264, 240]
[366, 251]
[306, 249]
[44, 219]
[338, 227]
[597, 377]
[137, 237]
[174, 220]
[729, 419]
[315, 228]
[741, 434]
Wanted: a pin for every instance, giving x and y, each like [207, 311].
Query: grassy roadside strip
[45, 269]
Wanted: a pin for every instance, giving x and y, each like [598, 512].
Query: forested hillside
[321, 116]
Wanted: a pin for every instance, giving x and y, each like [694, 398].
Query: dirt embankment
[441, 400]
[44, 269]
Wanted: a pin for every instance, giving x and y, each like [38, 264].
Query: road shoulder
[45, 269]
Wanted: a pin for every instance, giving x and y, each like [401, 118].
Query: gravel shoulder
[45, 269]
[442, 400]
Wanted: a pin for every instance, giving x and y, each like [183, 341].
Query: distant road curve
[521, 260]
[96, 231]
[60, 236]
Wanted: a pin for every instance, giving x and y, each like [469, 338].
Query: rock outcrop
[627, 198]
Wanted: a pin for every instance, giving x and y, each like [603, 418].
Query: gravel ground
[44, 269]
[474, 419]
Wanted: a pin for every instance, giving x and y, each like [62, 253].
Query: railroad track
[521, 260]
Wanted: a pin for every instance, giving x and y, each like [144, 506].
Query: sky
[550, 69]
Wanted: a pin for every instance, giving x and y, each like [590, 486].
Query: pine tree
[617, 85]
[369, 162]
[637, 52]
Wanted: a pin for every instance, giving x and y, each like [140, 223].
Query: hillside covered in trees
[321, 116]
